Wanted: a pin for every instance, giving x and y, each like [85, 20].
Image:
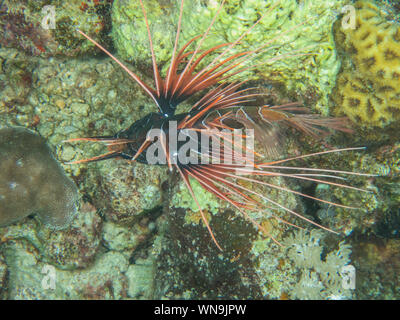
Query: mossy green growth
[130, 34]
[289, 28]
[183, 199]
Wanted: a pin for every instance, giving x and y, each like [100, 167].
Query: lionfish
[218, 114]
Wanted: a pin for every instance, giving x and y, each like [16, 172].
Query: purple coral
[17, 31]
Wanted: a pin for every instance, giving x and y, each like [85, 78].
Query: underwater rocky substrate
[117, 247]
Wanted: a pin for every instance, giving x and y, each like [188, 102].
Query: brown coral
[32, 181]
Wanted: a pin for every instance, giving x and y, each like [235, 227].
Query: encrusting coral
[32, 181]
[368, 88]
[300, 33]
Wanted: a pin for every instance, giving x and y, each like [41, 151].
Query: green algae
[182, 198]
[302, 31]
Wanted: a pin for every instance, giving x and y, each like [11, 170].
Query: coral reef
[105, 279]
[181, 200]
[16, 31]
[320, 278]
[250, 266]
[367, 88]
[91, 17]
[373, 207]
[81, 268]
[184, 245]
[189, 266]
[308, 267]
[76, 246]
[288, 28]
[71, 100]
[68, 249]
[141, 279]
[305, 268]
[138, 233]
[16, 80]
[31, 181]
[21, 25]
[380, 257]
[127, 190]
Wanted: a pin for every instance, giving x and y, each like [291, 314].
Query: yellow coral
[368, 88]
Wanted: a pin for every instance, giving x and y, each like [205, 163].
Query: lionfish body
[217, 114]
